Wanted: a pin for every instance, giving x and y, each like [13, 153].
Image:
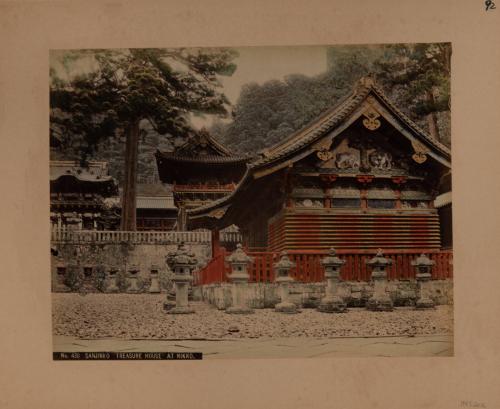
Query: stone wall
[77, 266]
[265, 295]
[77, 259]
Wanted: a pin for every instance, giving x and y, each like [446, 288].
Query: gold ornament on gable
[421, 151]
[371, 121]
[324, 155]
[323, 150]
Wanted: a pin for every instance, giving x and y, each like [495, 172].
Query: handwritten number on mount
[489, 5]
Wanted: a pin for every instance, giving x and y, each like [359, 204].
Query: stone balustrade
[64, 235]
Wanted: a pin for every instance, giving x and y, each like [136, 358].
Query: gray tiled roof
[145, 202]
[210, 159]
[94, 172]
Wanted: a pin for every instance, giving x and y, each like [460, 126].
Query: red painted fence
[309, 269]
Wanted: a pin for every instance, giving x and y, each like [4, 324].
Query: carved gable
[362, 150]
[201, 144]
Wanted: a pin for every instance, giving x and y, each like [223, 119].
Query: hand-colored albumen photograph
[253, 202]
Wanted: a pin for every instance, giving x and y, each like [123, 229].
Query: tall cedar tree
[423, 71]
[162, 86]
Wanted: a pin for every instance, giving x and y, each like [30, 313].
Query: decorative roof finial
[367, 81]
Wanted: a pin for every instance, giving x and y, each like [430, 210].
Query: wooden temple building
[155, 208]
[88, 198]
[201, 171]
[82, 197]
[362, 176]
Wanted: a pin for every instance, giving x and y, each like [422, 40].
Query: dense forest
[415, 76]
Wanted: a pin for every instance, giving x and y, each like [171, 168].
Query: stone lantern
[423, 276]
[380, 301]
[133, 275]
[154, 288]
[239, 277]
[332, 302]
[181, 262]
[283, 280]
[112, 280]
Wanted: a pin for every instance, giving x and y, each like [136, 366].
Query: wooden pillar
[399, 181]
[397, 192]
[327, 201]
[364, 180]
[181, 219]
[364, 200]
[215, 242]
[328, 182]
[244, 236]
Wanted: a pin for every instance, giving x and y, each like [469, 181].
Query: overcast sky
[261, 64]
[254, 64]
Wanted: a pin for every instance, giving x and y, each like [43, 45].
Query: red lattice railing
[309, 269]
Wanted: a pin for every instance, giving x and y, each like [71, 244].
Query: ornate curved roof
[337, 114]
[289, 150]
[69, 176]
[208, 159]
[201, 158]
[94, 172]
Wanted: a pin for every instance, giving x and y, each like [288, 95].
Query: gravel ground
[141, 316]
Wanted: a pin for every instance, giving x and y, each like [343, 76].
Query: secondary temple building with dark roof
[361, 176]
[200, 172]
[88, 198]
[82, 196]
[155, 208]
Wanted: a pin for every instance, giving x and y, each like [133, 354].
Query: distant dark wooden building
[200, 172]
[83, 197]
[155, 206]
[360, 177]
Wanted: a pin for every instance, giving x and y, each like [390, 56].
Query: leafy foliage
[416, 77]
[161, 86]
[164, 87]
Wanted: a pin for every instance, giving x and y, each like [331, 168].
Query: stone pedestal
[380, 300]
[182, 263]
[283, 279]
[112, 280]
[181, 282]
[154, 288]
[423, 276]
[133, 276]
[332, 302]
[239, 278]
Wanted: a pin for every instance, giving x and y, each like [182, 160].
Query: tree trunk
[128, 218]
[431, 117]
